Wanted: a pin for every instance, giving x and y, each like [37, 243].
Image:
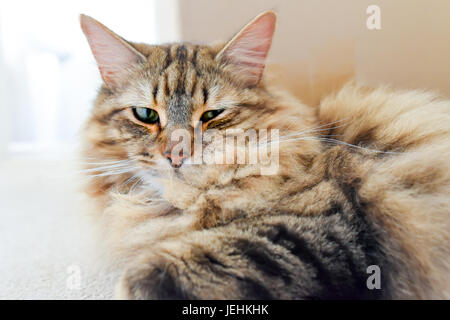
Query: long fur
[363, 178]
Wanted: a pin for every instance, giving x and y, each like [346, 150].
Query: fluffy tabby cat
[363, 179]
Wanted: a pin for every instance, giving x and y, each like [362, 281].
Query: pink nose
[175, 160]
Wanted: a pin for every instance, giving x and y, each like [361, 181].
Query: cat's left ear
[112, 53]
[246, 52]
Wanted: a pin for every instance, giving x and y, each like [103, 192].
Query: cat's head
[156, 99]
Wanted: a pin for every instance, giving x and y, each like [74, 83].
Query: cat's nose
[175, 160]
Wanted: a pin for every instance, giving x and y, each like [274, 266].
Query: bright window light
[48, 73]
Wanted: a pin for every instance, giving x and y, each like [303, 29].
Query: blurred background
[48, 80]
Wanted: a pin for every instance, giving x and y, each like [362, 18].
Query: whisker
[131, 179]
[112, 173]
[116, 167]
[135, 184]
[339, 142]
[311, 131]
[101, 161]
[297, 139]
[318, 128]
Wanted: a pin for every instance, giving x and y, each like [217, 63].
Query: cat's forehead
[182, 55]
[176, 72]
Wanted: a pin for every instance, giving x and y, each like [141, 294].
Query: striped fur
[363, 180]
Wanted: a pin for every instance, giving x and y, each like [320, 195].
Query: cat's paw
[152, 280]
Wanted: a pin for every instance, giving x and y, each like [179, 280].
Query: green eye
[146, 115]
[211, 114]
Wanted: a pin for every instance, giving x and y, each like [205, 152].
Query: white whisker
[310, 131]
[318, 128]
[338, 142]
[109, 168]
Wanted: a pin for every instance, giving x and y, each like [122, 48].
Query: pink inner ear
[113, 55]
[249, 49]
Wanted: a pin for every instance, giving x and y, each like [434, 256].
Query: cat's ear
[112, 53]
[248, 49]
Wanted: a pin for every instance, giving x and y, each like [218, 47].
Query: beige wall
[319, 44]
[412, 49]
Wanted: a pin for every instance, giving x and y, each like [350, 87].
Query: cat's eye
[146, 115]
[211, 114]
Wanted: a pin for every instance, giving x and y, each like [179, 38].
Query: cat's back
[405, 180]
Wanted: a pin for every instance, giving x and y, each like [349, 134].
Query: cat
[361, 180]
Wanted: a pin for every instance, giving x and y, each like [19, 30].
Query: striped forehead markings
[182, 55]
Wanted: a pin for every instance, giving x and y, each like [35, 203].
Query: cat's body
[363, 180]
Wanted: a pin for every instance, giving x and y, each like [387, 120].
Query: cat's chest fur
[330, 180]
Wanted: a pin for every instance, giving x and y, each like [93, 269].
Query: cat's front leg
[268, 257]
[150, 280]
[194, 267]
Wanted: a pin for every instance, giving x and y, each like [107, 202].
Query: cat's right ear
[112, 53]
[246, 52]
